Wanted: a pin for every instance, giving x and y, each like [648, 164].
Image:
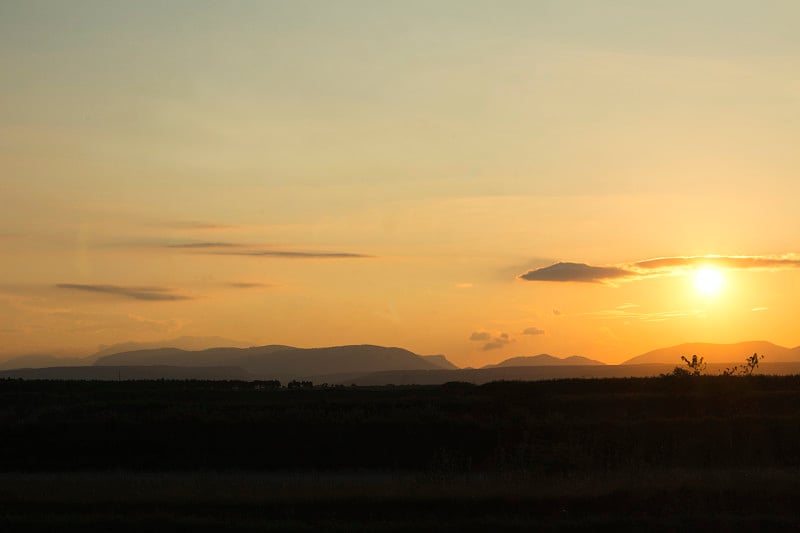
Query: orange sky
[314, 173]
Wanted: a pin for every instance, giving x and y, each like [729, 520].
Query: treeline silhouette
[549, 427]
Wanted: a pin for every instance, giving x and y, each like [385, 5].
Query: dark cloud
[247, 285]
[660, 266]
[575, 272]
[287, 254]
[494, 345]
[493, 342]
[533, 331]
[154, 294]
[496, 342]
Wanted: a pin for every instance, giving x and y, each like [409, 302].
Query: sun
[708, 281]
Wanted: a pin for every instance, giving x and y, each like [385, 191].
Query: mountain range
[283, 362]
[718, 353]
[545, 360]
[43, 360]
[193, 358]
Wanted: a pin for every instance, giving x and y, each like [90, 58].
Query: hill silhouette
[39, 360]
[184, 343]
[139, 372]
[440, 361]
[181, 357]
[368, 364]
[282, 362]
[546, 360]
[718, 353]
[44, 360]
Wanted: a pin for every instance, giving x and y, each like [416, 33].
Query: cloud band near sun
[661, 266]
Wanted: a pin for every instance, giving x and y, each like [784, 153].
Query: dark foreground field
[718, 453]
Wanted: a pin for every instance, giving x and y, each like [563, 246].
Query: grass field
[664, 454]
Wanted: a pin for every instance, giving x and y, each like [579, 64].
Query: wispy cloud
[628, 314]
[657, 267]
[214, 247]
[154, 294]
[248, 285]
[291, 254]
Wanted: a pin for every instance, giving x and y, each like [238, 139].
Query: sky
[476, 179]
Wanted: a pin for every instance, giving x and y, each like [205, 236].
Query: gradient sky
[320, 173]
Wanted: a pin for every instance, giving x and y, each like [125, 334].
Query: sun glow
[708, 281]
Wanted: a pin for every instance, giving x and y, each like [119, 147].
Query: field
[722, 453]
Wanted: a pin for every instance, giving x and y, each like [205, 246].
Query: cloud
[575, 272]
[493, 342]
[152, 294]
[247, 285]
[628, 314]
[494, 345]
[533, 331]
[657, 267]
[249, 250]
[289, 254]
[735, 262]
[757, 309]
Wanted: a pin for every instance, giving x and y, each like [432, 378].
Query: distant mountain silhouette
[718, 353]
[546, 360]
[108, 373]
[368, 364]
[440, 361]
[183, 343]
[281, 362]
[179, 357]
[36, 360]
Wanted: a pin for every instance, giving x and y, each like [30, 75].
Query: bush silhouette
[695, 367]
[750, 364]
